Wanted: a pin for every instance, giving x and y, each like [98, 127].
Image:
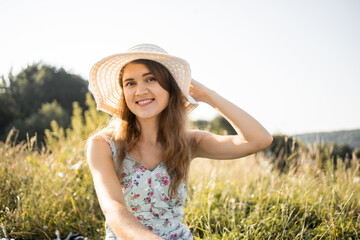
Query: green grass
[44, 189]
[244, 199]
[51, 189]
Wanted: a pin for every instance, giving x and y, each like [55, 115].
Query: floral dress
[146, 196]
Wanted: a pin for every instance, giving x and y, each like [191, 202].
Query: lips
[145, 101]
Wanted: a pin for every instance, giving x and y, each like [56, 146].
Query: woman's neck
[149, 131]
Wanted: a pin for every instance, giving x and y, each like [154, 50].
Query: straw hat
[104, 75]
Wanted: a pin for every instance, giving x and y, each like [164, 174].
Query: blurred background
[293, 65]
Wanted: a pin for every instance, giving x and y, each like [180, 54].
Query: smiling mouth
[143, 102]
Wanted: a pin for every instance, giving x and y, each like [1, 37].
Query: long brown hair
[172, 133]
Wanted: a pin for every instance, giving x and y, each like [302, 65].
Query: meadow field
[49, 187]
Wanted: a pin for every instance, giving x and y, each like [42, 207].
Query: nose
[141, 89]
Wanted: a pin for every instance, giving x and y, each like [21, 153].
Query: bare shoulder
[98, 143]
[97, 148]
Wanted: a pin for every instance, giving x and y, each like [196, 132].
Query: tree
[7, 103]
[220, 125]
[201, 124]
[22, 98]
[344, 152]
[37, 122]
[38, 84]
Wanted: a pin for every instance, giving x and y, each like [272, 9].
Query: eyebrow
[131, 79]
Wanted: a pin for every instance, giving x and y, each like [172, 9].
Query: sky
[293, 65]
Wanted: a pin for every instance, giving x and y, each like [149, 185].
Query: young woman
[140, 161]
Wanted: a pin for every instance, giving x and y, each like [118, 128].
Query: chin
[147, 115]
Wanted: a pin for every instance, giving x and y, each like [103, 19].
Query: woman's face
[143, 94]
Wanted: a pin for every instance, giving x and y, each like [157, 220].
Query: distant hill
[350, 137]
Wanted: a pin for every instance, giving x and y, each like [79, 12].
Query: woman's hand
[199, 92]
[251, 135]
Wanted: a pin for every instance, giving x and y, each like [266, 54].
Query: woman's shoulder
[104, 134]
[98, 142]
[102, 143]
[100, 136]
[97, 151]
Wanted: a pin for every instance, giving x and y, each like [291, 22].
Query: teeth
[145, 101]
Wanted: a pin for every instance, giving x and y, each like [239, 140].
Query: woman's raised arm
[251, 135]
[110, 195]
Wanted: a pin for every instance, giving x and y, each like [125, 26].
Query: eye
[151, 79]
[129, 84]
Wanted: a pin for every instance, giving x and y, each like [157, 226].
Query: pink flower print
[135, 208]
[149, 182]
[156, 215]
[136, 195]
[149, 200]
[124, 175]
[135, 166]
[166, 199]
[165, 181]
[143, 169]
[158, 175]
[139, 218]
[150, 228]
[128, 185]
[166, 222]
[152, 194]
[173, 236]
[150, 210]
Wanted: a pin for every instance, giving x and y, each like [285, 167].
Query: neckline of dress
[137, 162]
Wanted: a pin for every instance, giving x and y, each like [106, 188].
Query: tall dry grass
[49, 188]
[246, 199]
